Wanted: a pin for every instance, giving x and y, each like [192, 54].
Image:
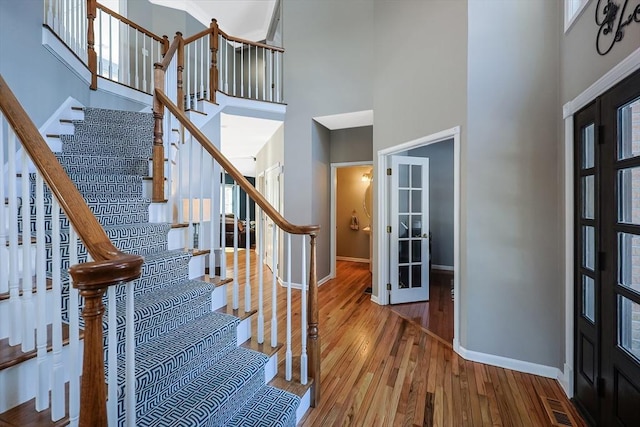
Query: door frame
[334, 203]
[381, 240]
[619, 72]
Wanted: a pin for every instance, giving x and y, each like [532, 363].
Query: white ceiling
[346, 120]
[243, 137]
[246, 19]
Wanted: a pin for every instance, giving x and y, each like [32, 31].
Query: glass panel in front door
[410, 226]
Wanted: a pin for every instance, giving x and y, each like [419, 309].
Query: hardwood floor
[379, 369]
[436, 315]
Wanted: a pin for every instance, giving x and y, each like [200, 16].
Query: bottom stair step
[213, 397]
[269, 407]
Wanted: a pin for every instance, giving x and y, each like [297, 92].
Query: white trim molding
[573, 12]
[508, 363]
[352, 259]
[382, 188]
[615, 75]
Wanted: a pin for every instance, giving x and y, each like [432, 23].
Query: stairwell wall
[39, 80]
[328, 70]
[512, 302]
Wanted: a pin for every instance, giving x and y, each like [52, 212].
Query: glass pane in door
[588, 197]
[588, 247]
[629, 261]
[629, 326]
[629, 199]
[588, 147]
[629, 130]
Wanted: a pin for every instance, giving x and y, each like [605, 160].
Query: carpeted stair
[189, 369]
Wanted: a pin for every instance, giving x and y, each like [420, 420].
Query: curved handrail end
[101, 274]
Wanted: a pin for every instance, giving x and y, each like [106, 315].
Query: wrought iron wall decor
[612, 24]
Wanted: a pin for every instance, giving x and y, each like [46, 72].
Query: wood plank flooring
[379, 369]
[436, 315]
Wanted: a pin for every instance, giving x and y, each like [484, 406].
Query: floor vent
[557, 412]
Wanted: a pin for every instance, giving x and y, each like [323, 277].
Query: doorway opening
[351, 213]
[441, 231]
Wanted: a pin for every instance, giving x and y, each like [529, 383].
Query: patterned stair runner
[189, 369]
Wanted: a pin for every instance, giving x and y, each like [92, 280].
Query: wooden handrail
[256, 44]
[196, 36]
[164, 64]
[132, 24]
[268, 209]
[110, 267]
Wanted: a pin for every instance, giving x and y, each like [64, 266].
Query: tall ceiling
[247, 19]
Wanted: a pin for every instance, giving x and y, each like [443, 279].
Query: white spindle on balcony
[247, 259]
[274, 287]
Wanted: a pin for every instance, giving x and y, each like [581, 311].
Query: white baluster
[4, 272]
[186, 77]
[42, 397]
[260, 267]
[203, 68]
[215, 224]
[236, 212]
[75, 360]
[270, 76]
[274, 287]
[49, 13]
[100, 44]
[249, 69]
[28, 323]
[256, 72]
[264, 75]
[110, 23]
[223, 232]
[242, 72]
[235, 71]
[190, 193]
[57, 388]
[130, 379]
[137, 61]
[15, 309]
[112, 354]
[303, 314]
[144, 63]
[207, 66]
[288, 354]
[247, 269]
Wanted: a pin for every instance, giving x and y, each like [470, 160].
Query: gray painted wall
[41, 82]
[581, 64]
[162, 20]
[350, 196]
[272, 152]
[352, 144]
[332, 79]
[321, 190]
[512, 298]
[440, 199]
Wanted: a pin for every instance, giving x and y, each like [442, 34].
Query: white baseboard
[508, 363]
[304, 406]
[324, 280]
[442, 267]
[566, 380]
[352, 259]
[375, 299]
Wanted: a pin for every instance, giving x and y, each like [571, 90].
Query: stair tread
[269, 407]
[264, 348]
[25, 415]
[215, 280]
[199, 399]
[11, 355]
[239, 313]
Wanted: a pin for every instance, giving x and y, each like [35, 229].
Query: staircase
[189, 369]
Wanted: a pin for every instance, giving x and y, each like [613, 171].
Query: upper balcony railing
[117, 49]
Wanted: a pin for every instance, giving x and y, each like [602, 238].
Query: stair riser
[150, 397]
[4, 260]
[102, 165]
[227, 409]
[101, 186]
[157, 320]
[125, 118]
[104, 147]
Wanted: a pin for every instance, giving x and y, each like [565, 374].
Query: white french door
[409, 246]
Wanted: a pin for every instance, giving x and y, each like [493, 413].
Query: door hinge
[600, 386]
[602, 261]
[389, 171]
[388, 229]
[388, 286]
[600, 134]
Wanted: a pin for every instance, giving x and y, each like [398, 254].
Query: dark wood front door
[607, 264]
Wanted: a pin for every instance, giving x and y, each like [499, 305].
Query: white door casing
[409, 222]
